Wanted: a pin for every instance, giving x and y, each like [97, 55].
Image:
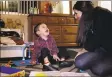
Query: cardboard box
[73, 74]
[57, 74]
[45, 74]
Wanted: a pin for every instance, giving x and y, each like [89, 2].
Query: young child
[45, 49]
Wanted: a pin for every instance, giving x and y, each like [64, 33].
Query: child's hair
[36, 28]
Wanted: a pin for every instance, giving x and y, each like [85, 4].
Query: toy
[48, 8]
[23, 62]
[8, 64]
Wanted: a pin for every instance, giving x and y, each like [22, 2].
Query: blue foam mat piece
[23, 62]
[8, 70]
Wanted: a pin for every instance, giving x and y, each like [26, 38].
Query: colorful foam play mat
[11, 72]
[23, 62]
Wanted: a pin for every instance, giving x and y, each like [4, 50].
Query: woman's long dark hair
[86, 21]
[83, 6]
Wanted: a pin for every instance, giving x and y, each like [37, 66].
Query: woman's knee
[80, 63]
[84, 61]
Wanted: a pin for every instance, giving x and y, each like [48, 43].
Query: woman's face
[77, 14]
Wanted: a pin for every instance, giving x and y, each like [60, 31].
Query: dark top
[99, 34]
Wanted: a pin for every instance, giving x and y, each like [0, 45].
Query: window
[66, 8]
[62, 7]
[105, 4]
[17, 6]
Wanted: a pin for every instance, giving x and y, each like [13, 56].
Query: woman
[95, 26]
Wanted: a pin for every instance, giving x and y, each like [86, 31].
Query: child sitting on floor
[45, 48]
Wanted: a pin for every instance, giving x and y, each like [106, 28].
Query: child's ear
[38, 32]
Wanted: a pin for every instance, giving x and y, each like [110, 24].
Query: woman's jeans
[99, 62]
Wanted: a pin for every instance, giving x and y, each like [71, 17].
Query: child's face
[43, 30]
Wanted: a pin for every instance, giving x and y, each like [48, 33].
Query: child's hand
[56, 58]
[33, 62]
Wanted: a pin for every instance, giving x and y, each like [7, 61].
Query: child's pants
[46, 53]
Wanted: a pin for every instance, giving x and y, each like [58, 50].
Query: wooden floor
[38, 67]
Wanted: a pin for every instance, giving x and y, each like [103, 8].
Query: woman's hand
[55, 57]
[81, 51]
